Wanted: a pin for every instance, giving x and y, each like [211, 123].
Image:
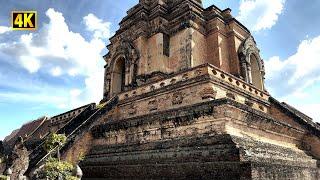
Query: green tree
[55, 169]
[55, 141]
[2, 177]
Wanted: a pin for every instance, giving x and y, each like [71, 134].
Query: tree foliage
[54, 140]
[102, 105]
[53, 169]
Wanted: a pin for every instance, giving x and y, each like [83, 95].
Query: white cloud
[56, 71]
[41, 97]
[75, 92]
[293, 78]
[57, 51]
[307, 59]
[101, 29]
[4, 29]
[312, 110]
[73, 72]
[260, 14]
[30, 63]
[274, 65]
[303, 64]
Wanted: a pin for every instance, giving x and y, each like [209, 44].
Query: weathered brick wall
[276, 113]
[181, 144]
[79, 149]
[199, 51]
[282, 172]
[180, 50]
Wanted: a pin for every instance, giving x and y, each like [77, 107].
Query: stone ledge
[205, 71]
[186, 115]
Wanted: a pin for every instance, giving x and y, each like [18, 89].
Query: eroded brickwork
[217, 139]
[184, 98]
[193, 104]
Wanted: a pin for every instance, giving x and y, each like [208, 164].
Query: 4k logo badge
[24, 20]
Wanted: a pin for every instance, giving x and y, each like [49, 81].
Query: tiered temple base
[203, 141]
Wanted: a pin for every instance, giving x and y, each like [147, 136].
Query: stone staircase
[73, 130]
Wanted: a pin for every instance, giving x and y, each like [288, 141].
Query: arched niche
[252, 67]
[256, 75]
[121, 69]
[118, 76]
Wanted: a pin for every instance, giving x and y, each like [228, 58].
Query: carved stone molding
[249, 103]
[208, 93]
[231, 95]
[177, 98]
[153, 105]
[132, 109]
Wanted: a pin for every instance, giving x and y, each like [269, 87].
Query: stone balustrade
[202, 70]
[238, 83]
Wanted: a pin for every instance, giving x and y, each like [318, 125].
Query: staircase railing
[39, 149]
[72, 129]
[71, 138]
[88, 108]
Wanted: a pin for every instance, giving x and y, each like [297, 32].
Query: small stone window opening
[118, 81]
[166, 45]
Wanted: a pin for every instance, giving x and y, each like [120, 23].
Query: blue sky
[59, 66]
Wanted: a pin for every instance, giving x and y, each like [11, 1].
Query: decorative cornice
[186, 114]
[204, 72]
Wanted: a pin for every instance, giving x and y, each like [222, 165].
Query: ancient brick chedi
[184, 98]
[192, 103]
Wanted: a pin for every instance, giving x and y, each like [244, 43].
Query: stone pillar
[263, 79]
[244, 71]
[131, 73]
[127, 75]
[106, 83]
[249, 74]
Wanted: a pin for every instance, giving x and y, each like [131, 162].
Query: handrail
[43, 139]
[39, 151]
[55, 148]
[62, 130]
[108, 105]
[44, 119]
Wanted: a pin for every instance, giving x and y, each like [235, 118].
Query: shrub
[54, 168]
[71, 178]
[100, 106]
[81, 156]
[54, 140]
[2, 177]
